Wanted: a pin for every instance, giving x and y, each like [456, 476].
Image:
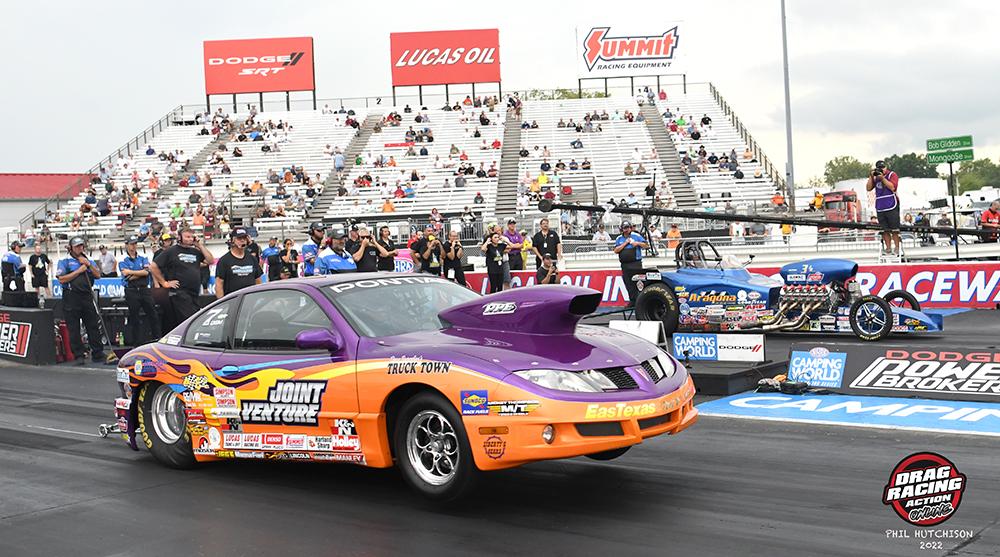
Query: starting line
[936, 416]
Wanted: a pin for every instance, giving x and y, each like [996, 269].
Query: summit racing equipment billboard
[606, 51]
[444, 57]
[259, 65]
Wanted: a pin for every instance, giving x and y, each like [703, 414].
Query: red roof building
[29, 187]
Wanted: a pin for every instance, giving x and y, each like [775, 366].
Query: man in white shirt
[601, 236]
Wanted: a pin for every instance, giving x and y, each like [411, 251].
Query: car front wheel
[432, 449]
[163, 425]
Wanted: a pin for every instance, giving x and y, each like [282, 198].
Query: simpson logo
[288, 403]
[656, 50]
[474, 403]
[225, 397]
[818, 367]
[499, 308]
[925, 489]
[933, 372]
[620, 410]
[512, 407]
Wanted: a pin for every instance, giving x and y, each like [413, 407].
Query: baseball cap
[238, 232]
[626, 224]
[511, 220]
[547, 256]
[274, 237]
[76, 241]
[15, 244]
[880, 164]
[132, 240]
[167, 236]
[317, 226]
[338, 234]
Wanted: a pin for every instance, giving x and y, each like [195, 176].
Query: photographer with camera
[363, 250]
[430, 251]
[885, 183]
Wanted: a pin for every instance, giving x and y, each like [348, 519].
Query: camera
[876, 172]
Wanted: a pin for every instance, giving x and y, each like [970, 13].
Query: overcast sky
[868, 78]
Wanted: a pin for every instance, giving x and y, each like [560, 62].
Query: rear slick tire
[163, 426]
[657, 302]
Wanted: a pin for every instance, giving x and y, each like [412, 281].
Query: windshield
[396, 306]
[836, 205]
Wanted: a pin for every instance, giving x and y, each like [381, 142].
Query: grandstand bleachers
[430, 192]
[173, 138]
[619, 143]
[715, 187]
[302, 146]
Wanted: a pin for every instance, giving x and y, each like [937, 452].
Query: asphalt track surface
[723, 487]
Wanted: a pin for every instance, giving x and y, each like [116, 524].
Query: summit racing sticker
[288, 403]
[924, 489]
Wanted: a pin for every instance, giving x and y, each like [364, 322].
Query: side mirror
[319, 339]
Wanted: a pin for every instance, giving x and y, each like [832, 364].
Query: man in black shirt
[39, 264]
[238, 268]
[178, 268]
[547, 273]
[545, 241]
[364, 251]
[429, 250]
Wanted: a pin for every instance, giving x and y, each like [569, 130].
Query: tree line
[971, 175]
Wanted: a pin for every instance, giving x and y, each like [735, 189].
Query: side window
[272, 319]
[209, 329]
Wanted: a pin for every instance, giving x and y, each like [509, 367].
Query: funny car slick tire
[902, 299]
[432, 449]
[657, 302]
[164, 426]
[871, 318]
[609, 455]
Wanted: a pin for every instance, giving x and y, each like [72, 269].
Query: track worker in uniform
[135, 275]
[237, 268]
[335, 258]
[885, 182]
[179, 269]
[312, 247]
[629, 245]
[13, 268]
[76, 273]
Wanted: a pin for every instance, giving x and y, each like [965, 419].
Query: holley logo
[599, 46]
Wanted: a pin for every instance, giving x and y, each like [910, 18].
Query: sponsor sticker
[354, 458]
[248, 454]
[474, 403]
[933, 371]
[121, 375]
[695, 346]
[271, 441]
[494, 447]
[499, 308]
[287, 403]
[225, 397]
[512, 407]
[818, 367]
[619, 411]
[295, 441]
[924, 489]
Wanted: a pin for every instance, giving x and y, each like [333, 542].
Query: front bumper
[580, 428]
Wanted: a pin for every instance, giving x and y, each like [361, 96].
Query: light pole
[789, 167]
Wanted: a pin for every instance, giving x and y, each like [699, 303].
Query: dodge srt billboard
[444, 57]
[259, 65]
[610, 51]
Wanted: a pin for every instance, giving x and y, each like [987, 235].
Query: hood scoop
[545, 309]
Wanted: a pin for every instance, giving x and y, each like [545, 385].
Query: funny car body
[707, 293]
[386, 369]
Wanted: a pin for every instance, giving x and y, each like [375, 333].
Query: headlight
[667, 363]
[559, 380]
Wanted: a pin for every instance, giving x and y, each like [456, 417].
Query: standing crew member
[107, 263]
[76, 273]
[494, 248]
[39, 263]
[12, 268]
[885, 182]
[237, 268]
[547, 273]
[311, 248]
[990, 222]
[514, 244]
[387, 250]
[629, 245]
[136, 277]
[271, 256]
[335, 259]
[546, 241]
[453, 259]
[179, 269]
[430, 251]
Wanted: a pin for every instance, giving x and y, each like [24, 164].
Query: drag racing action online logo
[925, 489]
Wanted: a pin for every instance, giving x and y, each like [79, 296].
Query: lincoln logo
[601, 47]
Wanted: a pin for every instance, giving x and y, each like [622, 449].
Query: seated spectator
[495, 144]
[478, 199]
[523, 152]
[460, 181]
[481, 173]
[423, 151]
[778, 200]
[545, 166]
[492, 172]
[525, 125]
[640, 170]
[534, 124]
[628, 169]
[757, 173]
[463, 156]
[576, 144]
[409, 192]
[747, 154]
[585, 165]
